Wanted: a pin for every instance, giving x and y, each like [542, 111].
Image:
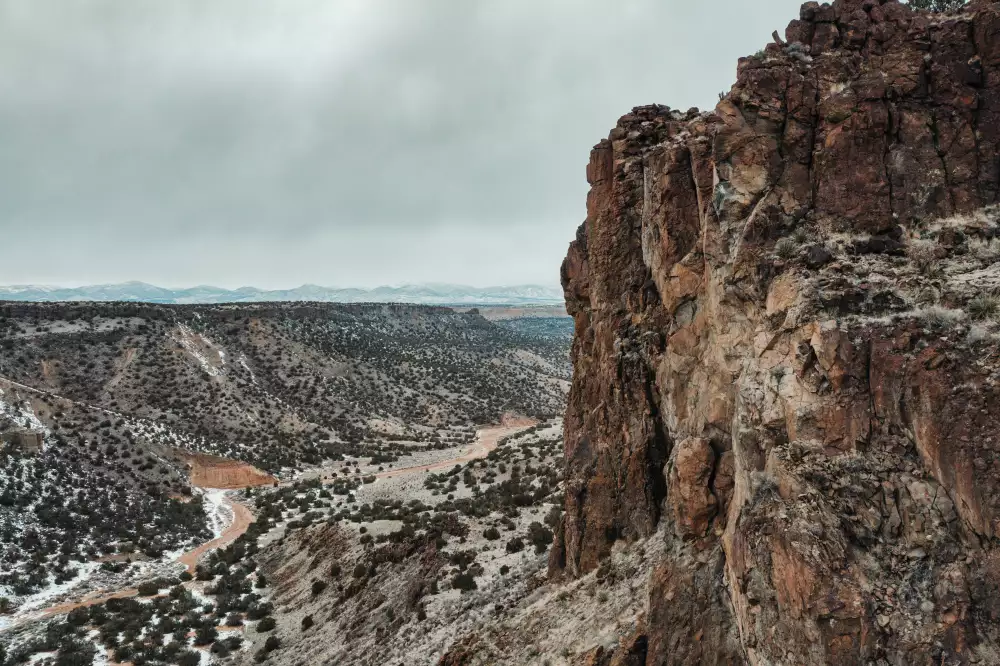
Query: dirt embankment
[221, 473]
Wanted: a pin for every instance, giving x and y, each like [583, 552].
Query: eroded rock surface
[786, 364]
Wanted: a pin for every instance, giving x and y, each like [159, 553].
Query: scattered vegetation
[786, 248]
[983, 306]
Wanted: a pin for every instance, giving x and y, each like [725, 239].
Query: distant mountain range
[430, 294]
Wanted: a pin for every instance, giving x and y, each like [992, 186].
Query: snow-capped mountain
[436, 294]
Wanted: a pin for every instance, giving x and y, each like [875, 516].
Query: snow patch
[218, 510]
[195, 344]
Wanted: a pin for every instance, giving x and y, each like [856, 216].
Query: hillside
[288, 384]
[144, 409]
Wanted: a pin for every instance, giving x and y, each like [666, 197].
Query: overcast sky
[338, 142]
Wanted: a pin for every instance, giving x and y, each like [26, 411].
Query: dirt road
[242, 517]
[487, 439]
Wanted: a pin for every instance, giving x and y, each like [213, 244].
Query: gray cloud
[347, 142]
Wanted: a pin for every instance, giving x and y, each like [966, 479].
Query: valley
[231, 431]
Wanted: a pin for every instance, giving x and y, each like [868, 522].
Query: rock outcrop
[786, 368]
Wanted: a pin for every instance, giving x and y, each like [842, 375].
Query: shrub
[492, 533]
[266, 625]
[317, 587]
[515, 545]
[188, 658]
[923, 254]
[307, 622]
[259, 611]
[271, 644]
[75, 652]
[939, 317]
[78, 617]
[978, 333]
[984, 306]
[149, 588]
[464, 582]
[786, 247]
[540, 536]
[205, 635]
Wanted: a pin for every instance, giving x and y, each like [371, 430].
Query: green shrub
[78, 617]
[206, 635]
[188, 658]
[540, 536]
[786, 248]
[464, 582]
[983, 306]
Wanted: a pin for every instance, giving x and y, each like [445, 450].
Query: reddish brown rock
[760, 387]
[689, 494]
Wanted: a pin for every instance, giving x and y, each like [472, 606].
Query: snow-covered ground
[217, 508]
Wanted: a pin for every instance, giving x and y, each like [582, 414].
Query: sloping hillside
[138, 405]
[288, 384]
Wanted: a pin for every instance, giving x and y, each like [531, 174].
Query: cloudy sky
[337, 142]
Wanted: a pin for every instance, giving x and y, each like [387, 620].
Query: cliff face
[786, 365]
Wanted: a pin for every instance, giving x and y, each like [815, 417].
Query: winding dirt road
[242, 517]
[487, 439]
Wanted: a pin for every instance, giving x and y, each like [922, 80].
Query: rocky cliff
[786, 361]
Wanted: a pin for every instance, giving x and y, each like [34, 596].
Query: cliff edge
[786, 353]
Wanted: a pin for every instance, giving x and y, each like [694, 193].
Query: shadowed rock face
[755, 382]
